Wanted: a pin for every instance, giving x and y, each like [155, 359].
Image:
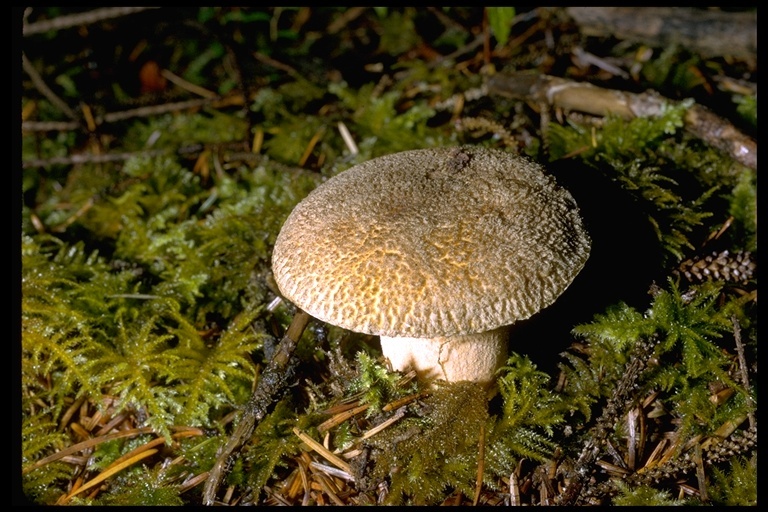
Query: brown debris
[723, 266]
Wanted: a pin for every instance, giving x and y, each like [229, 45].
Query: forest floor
[161, 150]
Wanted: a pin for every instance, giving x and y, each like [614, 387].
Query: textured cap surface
[431, 242]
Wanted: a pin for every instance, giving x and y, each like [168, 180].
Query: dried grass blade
[341, 418]
[384, 424]
[480, 466]
[319, 448]
[116, 469]
[396, 404]
[338, 473]
[86, 444]
[327, 488]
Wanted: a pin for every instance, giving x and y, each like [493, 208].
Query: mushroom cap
[431, 242]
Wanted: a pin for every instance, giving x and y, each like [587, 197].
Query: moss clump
[435, 449]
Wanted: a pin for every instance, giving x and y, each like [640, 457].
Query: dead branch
[743, 372]
[344, 19]
[82, 18]
[146, 111]
[89, 158]
[273, 382]
[721, 134]
[43, 88]
[584, 97]
[710, 33]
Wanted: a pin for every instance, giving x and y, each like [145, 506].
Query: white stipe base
[473, 357]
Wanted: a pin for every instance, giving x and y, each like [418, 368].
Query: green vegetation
[147, 311]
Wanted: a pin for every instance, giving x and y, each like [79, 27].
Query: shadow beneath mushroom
[625, 259]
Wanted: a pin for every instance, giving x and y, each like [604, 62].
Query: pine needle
[323, 451]
[116, 469]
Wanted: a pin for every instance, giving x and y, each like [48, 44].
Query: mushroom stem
[473, 357]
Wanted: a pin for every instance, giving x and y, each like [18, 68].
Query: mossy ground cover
[161, 150]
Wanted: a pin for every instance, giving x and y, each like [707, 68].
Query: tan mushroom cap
[431, 242]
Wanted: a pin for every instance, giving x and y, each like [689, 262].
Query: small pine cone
[736, 268]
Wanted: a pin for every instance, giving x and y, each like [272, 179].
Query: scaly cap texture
[431, 242]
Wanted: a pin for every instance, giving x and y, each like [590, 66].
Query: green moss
[377, 118]
[292, 137]
[140, 486]
[675, 187]
[39, 436]
[674, 69]
[133, 326]
[434, 450]
[743, 208]
[398, 34]
[747, 108]
[618, 139]
[272, 443]
[172, 131]
[689, 357]
[736, 484]
[644, 496]
[376, 385]
[530, 414]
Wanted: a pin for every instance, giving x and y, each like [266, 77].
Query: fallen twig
[272, 384]
[585, 97]
[742, 365]
[79, 19]
[711, 33]
[43, 88]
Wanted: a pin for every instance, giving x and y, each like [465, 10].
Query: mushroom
[437, 251]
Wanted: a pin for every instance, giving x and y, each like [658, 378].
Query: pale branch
[85, 158]
[113, 117]
[721, 134]
[585, 97]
